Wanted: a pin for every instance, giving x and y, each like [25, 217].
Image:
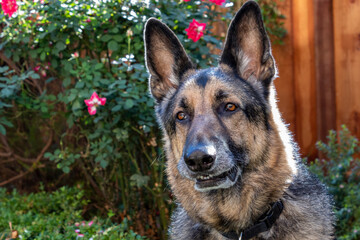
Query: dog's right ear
[166, 59]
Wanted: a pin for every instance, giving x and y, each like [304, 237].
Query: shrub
[55, 215]
[54, 55]
[341, 173]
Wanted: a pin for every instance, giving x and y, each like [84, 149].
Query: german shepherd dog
[231, 162]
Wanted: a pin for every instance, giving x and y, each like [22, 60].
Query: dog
[231, 162]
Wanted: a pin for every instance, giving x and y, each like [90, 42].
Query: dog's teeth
[204, 177]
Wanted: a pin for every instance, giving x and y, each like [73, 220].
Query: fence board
[347, 63]
[283, 55]
[325, 78]
[304, 75]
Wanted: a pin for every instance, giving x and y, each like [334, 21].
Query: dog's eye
[230, 107]
[181, 116]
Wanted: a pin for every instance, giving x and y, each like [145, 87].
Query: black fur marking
[184, 104]
[167, 116]
[253, 112]
[220, 95]
[237, 151]
[202, 80]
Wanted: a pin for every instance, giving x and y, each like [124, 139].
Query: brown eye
[230, 107]
[181, 116]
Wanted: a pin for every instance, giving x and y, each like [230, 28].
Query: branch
[8, 154]
[9, 62]
[34, 166]
[13, 66]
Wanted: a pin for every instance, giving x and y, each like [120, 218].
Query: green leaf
[4, 69]
[71, 97]
[128, 103]
[103, 163]
[113, 45]
[66, 169]
[60, 46]
[76, 107]
[80, 84]
[106, 38]
[116, 108]
[98, 158]
[139, 180]
[35, 76]
[2, 130]
[99, 66]
[70, 121]
[6, 122]
[67, 81]
[68, 67]
[43, 56]
[118, 38]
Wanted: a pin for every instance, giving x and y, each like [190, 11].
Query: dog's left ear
[247, 46]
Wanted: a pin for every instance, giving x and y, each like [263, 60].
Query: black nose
[198, 160]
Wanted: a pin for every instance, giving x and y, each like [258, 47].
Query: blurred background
[67, 173]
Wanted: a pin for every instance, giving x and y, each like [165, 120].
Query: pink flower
[195, 30]
[37, 68]
[43, 73]
[77, 224]
[75, 55]
[91, 223]
[88, 20]
[218, 2]
[186, 0]
[93, 103]
[9, 7]
[80, 235]
[77, 230]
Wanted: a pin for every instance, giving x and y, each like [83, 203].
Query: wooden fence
[319, 69]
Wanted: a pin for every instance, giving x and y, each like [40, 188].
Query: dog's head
[216, 119]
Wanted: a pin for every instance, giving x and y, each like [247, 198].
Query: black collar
[264, 224]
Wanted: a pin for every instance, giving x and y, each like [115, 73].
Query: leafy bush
[55, 216]
[341, 173]
[53, 55]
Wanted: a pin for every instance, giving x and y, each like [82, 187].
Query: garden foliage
[53, 55]
[55, 216]
[340, 171]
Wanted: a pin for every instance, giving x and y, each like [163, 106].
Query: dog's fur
[250, 141]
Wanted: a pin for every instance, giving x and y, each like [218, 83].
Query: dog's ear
[247, 46]
[166, 59]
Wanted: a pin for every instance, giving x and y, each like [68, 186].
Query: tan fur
[276, 170]
[254, 161]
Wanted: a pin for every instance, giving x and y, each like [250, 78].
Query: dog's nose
[199, 160]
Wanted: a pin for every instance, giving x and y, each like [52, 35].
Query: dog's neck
[263, 224]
